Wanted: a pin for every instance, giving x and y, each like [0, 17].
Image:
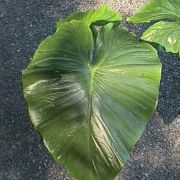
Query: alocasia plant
[91, 98]
[164, 32]
[97, 17]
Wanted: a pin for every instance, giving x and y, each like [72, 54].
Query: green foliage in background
[164, 32]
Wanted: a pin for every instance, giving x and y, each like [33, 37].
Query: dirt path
[23, 24]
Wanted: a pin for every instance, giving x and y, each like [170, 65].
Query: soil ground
[23, 25]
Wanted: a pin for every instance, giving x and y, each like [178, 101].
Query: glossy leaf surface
[157, 10]
[165, 33]
[91, 101]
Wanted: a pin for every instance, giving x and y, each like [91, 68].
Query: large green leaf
[156, 10]
[98, 17]
[165, 33]
[92, 101]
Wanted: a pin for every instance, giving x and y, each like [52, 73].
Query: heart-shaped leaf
[91, 101]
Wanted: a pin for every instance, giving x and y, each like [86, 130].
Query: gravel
[24, 23]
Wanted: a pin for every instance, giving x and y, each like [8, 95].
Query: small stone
[146, 174]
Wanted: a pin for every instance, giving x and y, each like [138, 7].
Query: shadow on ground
[23, 25]
[169, 99]
[23, 156]
[155, 156]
